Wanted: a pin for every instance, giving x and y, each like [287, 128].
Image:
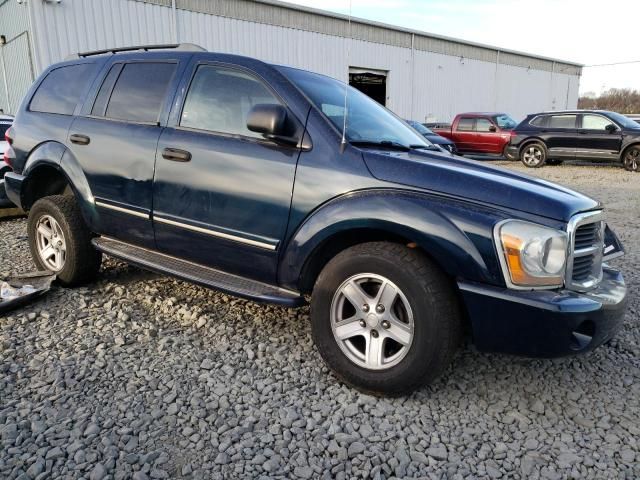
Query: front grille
[585, 260]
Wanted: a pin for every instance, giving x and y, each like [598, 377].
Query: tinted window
[3, 128]
[140, 92]
[102, 99]
[538, 121]
[220, 99]
[465, 124]
[562, 121]
[483, 125]
[595, 122]
[60, 91]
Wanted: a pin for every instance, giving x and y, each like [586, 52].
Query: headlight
[531, 255]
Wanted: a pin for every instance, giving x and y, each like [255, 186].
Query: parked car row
[548, 137]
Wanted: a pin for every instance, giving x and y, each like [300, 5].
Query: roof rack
[183, 47]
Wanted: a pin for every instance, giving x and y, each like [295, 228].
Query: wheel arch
[635, 143]
[400, 217]
[529, 141]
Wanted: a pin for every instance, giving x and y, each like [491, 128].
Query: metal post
[8, 110]
[413, 73]
[553, 70]
[174, 13]
[495, 82]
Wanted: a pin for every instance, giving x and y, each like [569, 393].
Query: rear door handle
[176, 155]
[79, 139]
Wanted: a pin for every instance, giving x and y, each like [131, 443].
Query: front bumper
[13, 186]
[545, 323]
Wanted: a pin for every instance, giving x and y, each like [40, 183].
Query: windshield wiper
[383, 143]
[424, 147]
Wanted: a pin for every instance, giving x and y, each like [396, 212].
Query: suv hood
[468, 179]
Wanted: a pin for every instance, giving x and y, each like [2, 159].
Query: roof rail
[184, 47]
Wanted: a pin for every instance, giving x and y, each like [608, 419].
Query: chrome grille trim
[586, 246]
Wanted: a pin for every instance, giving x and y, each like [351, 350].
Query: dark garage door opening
[370, 82]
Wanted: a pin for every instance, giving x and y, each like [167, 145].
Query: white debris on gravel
[146, 377]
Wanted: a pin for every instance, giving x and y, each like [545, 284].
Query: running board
[192, 272]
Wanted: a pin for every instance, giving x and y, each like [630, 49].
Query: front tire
[60, 241]
[631, 159]
[385, 318]
[533, 155]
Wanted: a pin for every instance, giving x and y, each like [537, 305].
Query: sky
[591, 32]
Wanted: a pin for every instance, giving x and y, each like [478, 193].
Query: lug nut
[365, 308]
[380, 308]
[374, 333]
[363, 323]
[386, 325]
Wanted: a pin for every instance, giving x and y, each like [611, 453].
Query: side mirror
[493, 128]
[268, 119]
[611, 128]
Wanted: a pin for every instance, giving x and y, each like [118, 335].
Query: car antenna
[343, 143]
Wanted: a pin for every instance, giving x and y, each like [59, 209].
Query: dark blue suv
[235, 174]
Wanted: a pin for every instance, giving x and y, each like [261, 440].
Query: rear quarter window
[538, 121]
[139, 92]
[62, 88]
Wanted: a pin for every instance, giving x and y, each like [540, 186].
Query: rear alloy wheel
[533, 155]
[632, 159]
[385, 318]
[60, 241]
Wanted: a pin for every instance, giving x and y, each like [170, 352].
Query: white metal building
[422, 76]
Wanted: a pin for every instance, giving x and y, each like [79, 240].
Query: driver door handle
[176, 155]
[79, 139]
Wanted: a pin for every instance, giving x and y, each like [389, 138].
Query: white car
[5, 122]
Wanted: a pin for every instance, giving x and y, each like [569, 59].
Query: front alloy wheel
[372, 321]
[385, 318]
[632, 159]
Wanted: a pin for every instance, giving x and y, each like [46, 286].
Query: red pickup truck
[483, 133]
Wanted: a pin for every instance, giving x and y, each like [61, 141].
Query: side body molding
[456, 234]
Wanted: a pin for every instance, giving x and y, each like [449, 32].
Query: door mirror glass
[268, 119]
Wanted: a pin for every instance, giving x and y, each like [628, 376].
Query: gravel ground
[142, 376]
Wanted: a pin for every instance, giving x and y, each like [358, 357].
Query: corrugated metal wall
[435, 80]
[16, 65]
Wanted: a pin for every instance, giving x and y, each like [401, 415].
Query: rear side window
[139, 92]
[538, 121]
[60, 91]
[562, 121]
[465, 124]
[219, 100]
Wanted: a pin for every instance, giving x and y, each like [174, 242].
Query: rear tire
[533, 155]
[60, 241]
[631, 159]
[416, 331]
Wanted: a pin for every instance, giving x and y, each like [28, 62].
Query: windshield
[623, 121]
[367, 120]
[505, 122]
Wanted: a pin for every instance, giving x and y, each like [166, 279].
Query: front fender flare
[457, 235]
